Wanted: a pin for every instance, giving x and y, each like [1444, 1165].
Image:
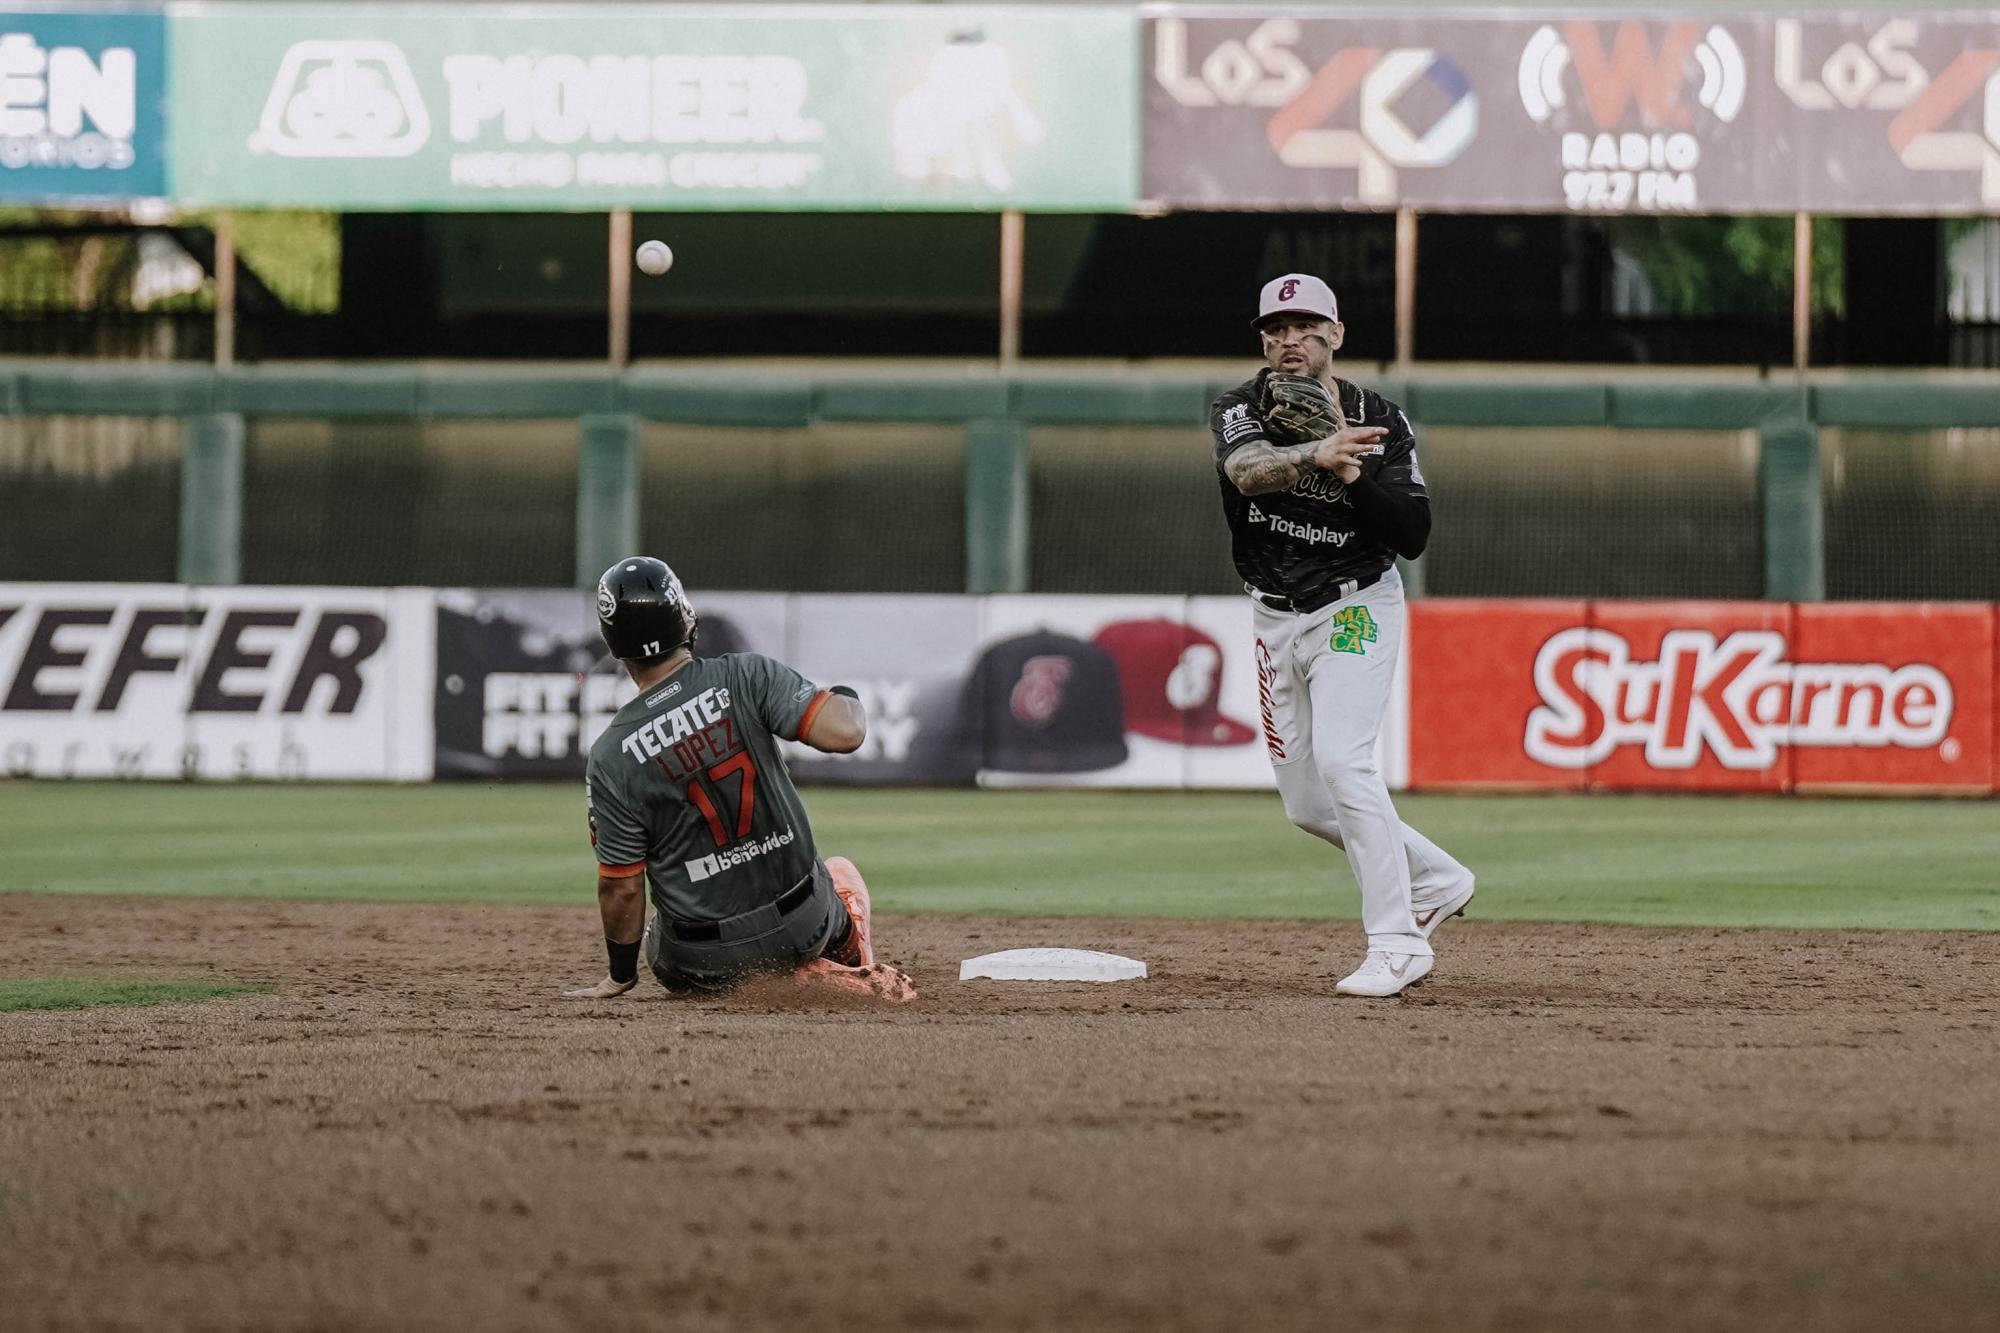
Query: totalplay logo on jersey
[704, 867]
[1305, 532]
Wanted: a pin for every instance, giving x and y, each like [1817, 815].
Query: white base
[1051, 965]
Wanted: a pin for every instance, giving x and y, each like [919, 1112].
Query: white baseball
[655, 258]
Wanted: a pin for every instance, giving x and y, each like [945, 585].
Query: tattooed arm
[1260, 467]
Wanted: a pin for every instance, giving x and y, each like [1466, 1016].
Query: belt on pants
[788, 902]
[1302, 605]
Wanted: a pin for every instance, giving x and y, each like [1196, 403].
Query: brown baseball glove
[1298, 408]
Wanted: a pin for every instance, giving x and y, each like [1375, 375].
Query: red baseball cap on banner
[1172, 675]
[1296, 294]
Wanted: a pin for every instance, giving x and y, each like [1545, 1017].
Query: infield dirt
[1566, 1127]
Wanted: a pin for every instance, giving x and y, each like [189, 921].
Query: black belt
[790, 901]
[1304, 605]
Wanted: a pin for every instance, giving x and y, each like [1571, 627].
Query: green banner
[472, 107]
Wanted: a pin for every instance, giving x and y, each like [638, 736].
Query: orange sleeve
[621, 872]
[812, 711]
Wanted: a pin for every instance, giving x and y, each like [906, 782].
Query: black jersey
[1304, 542]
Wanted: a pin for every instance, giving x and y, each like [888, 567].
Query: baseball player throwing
[687, 792]
[1322, 491]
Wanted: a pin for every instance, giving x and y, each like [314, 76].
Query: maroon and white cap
[1296, 294]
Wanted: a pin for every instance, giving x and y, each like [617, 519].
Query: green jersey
[687, 781]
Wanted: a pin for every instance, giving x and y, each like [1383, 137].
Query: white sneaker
[1384, 974]
[1452, 904]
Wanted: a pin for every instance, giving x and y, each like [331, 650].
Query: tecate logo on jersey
[703, 867]
[650, 741]
[1736, 698]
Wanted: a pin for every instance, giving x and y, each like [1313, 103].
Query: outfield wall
[407, 684]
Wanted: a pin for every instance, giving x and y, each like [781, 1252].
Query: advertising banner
[167, 681]
[670, 106]
[1881, 112]
[1470, 697]
[998, 691]
[1893, 695]
[1519, 113]
[82, 94]
[1886, 112]
[1702, 696]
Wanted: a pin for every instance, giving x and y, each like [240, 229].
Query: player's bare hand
[606, 989]
[1341, 452]
[878, 981]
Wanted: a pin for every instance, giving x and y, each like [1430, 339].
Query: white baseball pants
[1324, 680]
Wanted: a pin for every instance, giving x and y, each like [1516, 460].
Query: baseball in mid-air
[655, 258]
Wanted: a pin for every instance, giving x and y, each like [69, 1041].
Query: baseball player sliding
[687, 791]
[1322, 491]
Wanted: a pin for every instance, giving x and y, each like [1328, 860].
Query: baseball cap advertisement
[450, 106]
[1004, 691]
[1176, 675]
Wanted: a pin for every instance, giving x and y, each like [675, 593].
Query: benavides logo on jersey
[1735, 697]
[705, 867]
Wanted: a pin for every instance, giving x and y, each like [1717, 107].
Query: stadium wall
[1865, 489]
[179, 682]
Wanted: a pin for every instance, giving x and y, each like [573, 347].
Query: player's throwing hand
[1341, 452]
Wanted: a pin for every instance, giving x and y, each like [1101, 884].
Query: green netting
[1126, 509]
[89, 498]
[1912, 515]
[827, 508]
[1592, 513]
[404, 501]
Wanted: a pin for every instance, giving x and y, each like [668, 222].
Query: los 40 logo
[1350, 113]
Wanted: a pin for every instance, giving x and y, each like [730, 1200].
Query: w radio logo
[1632, 70]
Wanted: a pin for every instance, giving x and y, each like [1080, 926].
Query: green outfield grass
[1736, 861]
[66, 993]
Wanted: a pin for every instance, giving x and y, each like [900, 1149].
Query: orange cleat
[859, 950]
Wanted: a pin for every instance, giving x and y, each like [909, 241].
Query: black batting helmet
[642, 609]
